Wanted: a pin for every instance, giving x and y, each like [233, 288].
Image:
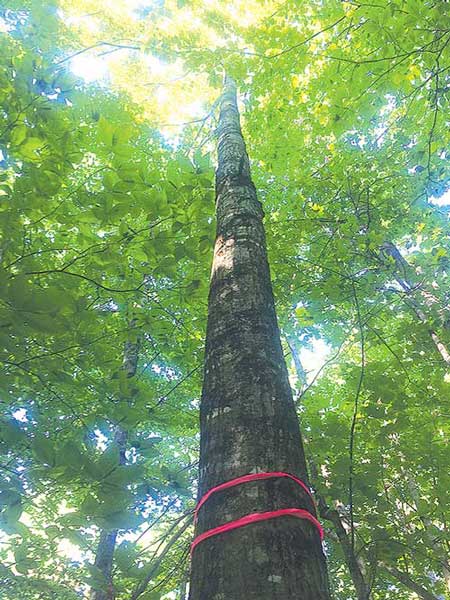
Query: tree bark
[104, 561]
[247, 416]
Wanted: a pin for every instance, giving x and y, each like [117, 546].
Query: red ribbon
[299, 513]
[246, 479]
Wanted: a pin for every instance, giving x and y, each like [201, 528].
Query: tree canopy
[107, 151]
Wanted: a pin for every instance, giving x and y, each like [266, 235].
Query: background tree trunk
[104, 555]
[248, 418]
[409, 583]
[354, 566]
[104, 561]
[416, 296]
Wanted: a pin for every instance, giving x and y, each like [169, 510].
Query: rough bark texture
[248, 419]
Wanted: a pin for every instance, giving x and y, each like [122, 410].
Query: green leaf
[30, 149]
[18, 134]
[120, 520]
[52, 532]
[97, 580]
[44, 450]
[12, 513]
[105, 131]
[11, 433]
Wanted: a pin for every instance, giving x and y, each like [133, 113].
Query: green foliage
[106, 218]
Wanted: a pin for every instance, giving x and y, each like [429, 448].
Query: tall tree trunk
[247, 416]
